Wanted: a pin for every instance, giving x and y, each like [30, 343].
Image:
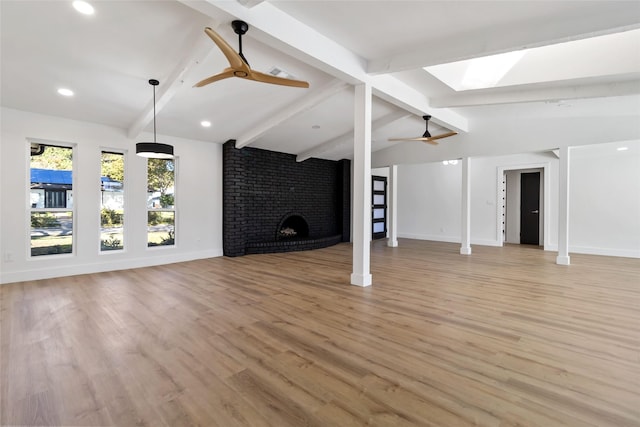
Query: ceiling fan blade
[268, 78]
[444, 135]
[422, 139]
[235, 61]
[429, 141]
[407, 139]
[228, 72]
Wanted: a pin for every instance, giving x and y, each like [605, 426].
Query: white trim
[27, 201]
[435, 238]
[546, 167]
[362, 280]
[588, 250]
[125, 206]
[99, 267]
[447, 239]
[174, 209]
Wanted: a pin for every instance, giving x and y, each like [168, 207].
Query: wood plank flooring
[504, 337]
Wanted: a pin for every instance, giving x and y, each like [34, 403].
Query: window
[51, 199]
[112, 201]
[161, 212]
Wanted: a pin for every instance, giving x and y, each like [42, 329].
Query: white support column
[361, 275]
[563, 208]
[393, 206]
[465, 241]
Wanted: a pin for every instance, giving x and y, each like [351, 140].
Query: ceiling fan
[239, 66]
[426, 137]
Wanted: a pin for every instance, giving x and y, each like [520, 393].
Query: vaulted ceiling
[577, 93]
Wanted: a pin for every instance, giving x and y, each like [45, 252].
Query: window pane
[51, 187]
[378, 213]
[51, 233]
[378, 227]
[378, 185]
[160, 202]
[378, 199]
[160, 182]
[112, 201]
[160, 228]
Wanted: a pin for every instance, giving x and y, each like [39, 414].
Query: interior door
[530, 208]
[378, 207]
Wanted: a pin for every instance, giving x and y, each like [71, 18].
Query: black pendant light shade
[154, 150]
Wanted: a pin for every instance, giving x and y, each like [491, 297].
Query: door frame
[546, 197]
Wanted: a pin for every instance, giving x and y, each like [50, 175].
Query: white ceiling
[107, 59]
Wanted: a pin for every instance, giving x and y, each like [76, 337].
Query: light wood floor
[504, 337]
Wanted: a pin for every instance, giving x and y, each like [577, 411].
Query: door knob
[535, 212]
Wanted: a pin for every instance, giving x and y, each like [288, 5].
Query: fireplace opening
[292, 227]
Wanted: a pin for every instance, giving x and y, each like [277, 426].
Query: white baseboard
[449, 239]
[435, 238]
[99, 267]
[625, 253]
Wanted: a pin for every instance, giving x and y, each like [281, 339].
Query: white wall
[604, 199]
[429, 201]
[198, 199]
[429, 198]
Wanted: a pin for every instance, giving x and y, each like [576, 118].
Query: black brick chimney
[262, 188]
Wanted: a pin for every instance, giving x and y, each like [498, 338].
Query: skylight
[487, 71]
[610, 54]
[83, 7]
[65, 92]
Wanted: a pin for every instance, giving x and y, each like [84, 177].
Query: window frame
[30, 210]
[125, 203]
[174, 209]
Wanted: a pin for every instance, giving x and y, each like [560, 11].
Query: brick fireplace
[274, 204]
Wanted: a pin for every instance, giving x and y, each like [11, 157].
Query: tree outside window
[112, 201]
[160, 202]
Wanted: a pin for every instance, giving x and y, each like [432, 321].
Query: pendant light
[154, 150]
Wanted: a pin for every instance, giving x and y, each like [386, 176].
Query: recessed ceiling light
[315, 127]
[65, 92]
[622, 148]
[83, 7]
[205, 123]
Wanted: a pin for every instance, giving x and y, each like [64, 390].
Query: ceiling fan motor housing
[426, 131]
[239, 27]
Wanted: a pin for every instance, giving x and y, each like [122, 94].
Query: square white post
[361, 275]
[465, 240]
[563, 208]
[393, 206]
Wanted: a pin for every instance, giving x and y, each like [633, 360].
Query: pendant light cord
[154, 113]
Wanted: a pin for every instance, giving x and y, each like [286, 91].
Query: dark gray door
[378, 207]
[530, 208]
